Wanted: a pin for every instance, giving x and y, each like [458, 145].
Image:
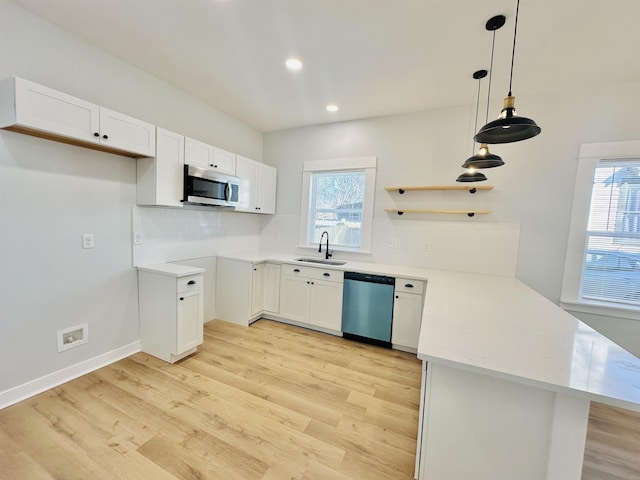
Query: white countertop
[500, 327]
[171, 269]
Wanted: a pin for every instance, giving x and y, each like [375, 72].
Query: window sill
[335, 249]
[601, 308]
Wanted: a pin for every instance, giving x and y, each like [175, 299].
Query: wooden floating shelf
[469, 188]
[470, 213]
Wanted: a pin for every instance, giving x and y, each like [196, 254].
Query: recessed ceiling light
[293, 64]
[332, 108]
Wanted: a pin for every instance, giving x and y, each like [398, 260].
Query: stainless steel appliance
[367, 308]
[208, 187]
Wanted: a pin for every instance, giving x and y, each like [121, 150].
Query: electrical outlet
[88, 240]
[73, 337]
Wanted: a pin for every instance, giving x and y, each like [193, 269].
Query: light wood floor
[612, 451]
[268, 402]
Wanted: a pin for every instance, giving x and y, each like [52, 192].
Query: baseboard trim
[39, 385]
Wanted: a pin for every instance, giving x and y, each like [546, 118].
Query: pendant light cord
[493, 45]
[513, 51]
[475, 127]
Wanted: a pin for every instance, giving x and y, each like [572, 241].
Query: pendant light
[472, 175]
[509, 127]
[484, 158]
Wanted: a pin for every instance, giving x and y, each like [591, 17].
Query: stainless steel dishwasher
[367, 308]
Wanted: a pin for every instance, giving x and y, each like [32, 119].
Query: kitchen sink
[321, 261]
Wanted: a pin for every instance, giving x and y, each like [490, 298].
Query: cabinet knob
[326, 274]
[308, 282]
[255, 269]
[191, 282]
[297, 270]
[215, 166]
[96, 134]
[397, 296]
[106, 137]
[181, 298]
[312, 283]
[408, 285]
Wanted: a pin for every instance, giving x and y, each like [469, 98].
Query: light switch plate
[88, 241]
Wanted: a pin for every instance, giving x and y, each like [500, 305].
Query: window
[337, 197]
[602, 268]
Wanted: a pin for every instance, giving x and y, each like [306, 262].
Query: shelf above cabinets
[470, 212]
[469, 188]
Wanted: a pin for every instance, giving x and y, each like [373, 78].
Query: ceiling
[370, 57]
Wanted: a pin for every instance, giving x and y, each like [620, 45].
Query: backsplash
[172, 234]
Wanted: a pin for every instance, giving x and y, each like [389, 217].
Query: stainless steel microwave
[208, 187]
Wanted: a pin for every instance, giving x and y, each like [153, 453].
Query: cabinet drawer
[189, 283]
[409, 285]
[312, 272]
[327, 274]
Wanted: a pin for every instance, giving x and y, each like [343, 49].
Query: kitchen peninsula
[508, 376]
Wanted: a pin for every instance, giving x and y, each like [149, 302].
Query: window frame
[366, 164]
[589, 155]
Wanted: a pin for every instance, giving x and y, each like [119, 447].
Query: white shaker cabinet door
[247, 172]
[325, 309]
[189, 320]
[294, 298]
[407, 316]
[197, 153]
[266, 189]
[223, 161]
[48, 110]
[257, 289]
[123, 132]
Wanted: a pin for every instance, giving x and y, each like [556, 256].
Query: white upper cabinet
[160, 179]
[126, 133]
[197, 153]
[224, 161]
[257, 192]
[203, 155]
[31, 108]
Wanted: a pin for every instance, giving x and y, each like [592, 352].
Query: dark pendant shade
[471, 177]
[509, 127]
[483, 159]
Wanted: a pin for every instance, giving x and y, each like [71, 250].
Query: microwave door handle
[227, 192]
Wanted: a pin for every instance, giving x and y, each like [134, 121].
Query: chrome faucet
[327, 253]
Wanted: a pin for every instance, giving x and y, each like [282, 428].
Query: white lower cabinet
[265, 288]
[245, 290]
[407, 314]
[312, 295]
[171, 310]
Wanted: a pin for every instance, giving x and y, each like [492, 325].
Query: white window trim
[369, 165]
[588, 157]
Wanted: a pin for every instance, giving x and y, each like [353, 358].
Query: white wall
[533, 190]
[51, 193]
